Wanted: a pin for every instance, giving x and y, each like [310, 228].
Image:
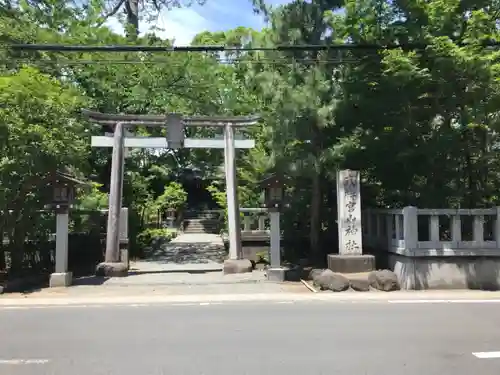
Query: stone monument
[350, 258]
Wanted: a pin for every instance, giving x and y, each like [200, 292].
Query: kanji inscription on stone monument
[349, 212]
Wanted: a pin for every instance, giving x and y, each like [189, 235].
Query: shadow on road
[90, 280]
[184, 253]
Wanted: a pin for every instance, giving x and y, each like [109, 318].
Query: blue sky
[216, 15]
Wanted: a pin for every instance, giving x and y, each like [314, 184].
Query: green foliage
[247, 197]
[218, 195]
[263, 257]
[220, 198]
[174, 197]
[39, 134]
[146, 237]
[94, 199]
[433, 111]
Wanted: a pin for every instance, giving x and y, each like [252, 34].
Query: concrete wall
[446, 272]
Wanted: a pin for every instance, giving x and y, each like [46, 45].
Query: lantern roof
[272, 180]
[67, 177]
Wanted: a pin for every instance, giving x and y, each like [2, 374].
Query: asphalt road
[303, 338]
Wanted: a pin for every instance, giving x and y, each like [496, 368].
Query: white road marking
[204, 300]
[38, 307]
[14, 307]
[486, 355]
[415, 301]
[24, 361]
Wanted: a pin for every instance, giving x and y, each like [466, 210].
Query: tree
[301, 95]
[39, 135]
[173, 197]
[436, 109]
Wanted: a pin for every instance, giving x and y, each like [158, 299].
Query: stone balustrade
[437, 248]
[255, 224]
[414, 231]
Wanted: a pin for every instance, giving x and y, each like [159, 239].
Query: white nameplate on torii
[161, 142]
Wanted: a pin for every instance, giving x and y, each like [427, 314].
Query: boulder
[315, 272]
[329, 280]
[383, 280]
[111, 269]
[237, 266]
[360, 284]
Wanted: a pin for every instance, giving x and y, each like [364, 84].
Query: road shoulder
[234, 293]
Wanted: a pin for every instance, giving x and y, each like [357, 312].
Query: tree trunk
[17, 242]
[2, 254]
[2, 236]
[315, 217]
[132, 10]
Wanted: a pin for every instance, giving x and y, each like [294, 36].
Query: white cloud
[182, 25]
[115, 25]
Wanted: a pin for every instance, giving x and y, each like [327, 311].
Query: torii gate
[174, 124]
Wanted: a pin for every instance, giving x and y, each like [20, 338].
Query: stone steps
[208, 215]
[201, 230]
[202, 222]
[201, 226]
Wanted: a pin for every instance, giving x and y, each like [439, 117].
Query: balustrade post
[434, 229]
[497, 227]
[410, 228]
[247, 224]
[456, 230]
[478, 229]
[388, 229]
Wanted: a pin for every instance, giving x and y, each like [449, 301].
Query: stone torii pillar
[175, 124]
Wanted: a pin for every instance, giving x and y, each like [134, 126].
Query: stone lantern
[274, 193]
[171, 215]
[273, 187]
[63, 188]
[63, 194]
